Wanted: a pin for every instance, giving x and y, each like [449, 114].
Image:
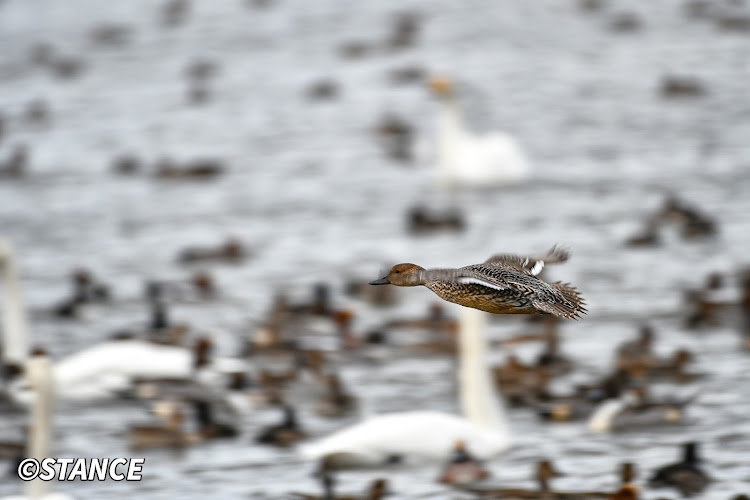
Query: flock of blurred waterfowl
[291, 359]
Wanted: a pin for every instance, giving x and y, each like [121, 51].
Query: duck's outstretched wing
[559, 299]
[518, 287]
[530, 265]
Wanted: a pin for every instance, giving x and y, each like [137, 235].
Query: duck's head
[402, 275]
[441, 86]
[459, 453]
[690, 452]
[545, 470]
[202, 352]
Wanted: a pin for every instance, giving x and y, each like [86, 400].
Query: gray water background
[310, 192]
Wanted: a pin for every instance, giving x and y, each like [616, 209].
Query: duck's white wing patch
[476, 281]
[537, 267]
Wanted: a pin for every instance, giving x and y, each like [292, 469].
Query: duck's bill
[381, 281]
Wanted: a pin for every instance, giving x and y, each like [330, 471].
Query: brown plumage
[504, 284]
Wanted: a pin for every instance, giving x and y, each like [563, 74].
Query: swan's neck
[450, 130]
[601, 420]
[14, 327]
[39, 373]
[479, 399]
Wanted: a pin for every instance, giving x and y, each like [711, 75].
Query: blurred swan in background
[468, 159]
[14, 326]
[40, 377]
[429, 435]
[110, 368]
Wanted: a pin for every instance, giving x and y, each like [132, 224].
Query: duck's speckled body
[504, 284]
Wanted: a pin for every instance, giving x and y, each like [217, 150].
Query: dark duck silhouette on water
[284, 434]
[504, 284]
[686, 475]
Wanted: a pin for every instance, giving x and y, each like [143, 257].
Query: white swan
[14, 327]
[468, 159]
[107, 369]
[39, 374]
[430, 435]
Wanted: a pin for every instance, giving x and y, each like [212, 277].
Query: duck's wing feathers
[559, 299]
[498, 278]
[530, 265]
[565, 301]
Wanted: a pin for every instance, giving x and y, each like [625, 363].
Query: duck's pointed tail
[571, 305]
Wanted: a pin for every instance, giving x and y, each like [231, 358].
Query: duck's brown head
[544, 472]
[402, 275]
[441, 86]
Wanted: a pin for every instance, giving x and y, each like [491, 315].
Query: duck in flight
[503, 284]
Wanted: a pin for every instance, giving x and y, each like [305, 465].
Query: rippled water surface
[309, 190]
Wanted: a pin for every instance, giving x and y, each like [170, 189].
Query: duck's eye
[396, 271]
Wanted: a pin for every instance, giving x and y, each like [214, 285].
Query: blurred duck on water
[231, 251]
[377, 489]
[633, 410]
[200, 168]
[584, 400]
[692, 222]
[544, 472]
[336, 402]
[421, 220]
[285, 433]
[462, 467]
[707, 306]
[170, 433]
[521, 384]
[442, 327]
[86, 290]
[637, 358]
[503, 284]
[686, 475]
[16, 164]
[467, 159]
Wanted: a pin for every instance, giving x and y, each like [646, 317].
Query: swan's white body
[14, 327]
[41, 379]
[468, 159]
[428, 435]
[107, 369]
